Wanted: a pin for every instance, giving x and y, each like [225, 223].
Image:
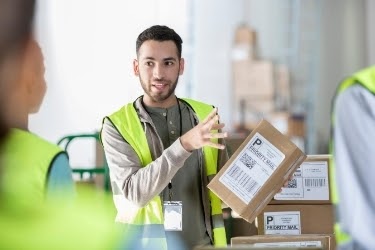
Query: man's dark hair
[159, 33]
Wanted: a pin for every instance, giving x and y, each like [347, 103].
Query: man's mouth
[160, 85]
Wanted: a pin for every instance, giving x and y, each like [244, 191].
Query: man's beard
[159, 97]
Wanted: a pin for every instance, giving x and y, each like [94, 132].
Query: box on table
[256, 171]
[296, 219]
[310, 183]
[304, 240]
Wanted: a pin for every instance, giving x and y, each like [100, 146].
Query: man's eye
[168, 63]
[149, 63]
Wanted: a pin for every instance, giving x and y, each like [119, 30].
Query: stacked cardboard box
[304, 207]
[309, 185]
[260, 87]
[253, 80]
[276, 241]
[244, 43]
[253, 91]
[296, 219]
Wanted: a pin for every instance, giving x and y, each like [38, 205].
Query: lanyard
[170, 193]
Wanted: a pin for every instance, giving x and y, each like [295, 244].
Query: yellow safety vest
[149, 218]
[28, 221]
[26, 156]
[366, 78]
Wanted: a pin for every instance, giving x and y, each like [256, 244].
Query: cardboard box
[253, 79]
[243, 247]
[304, 240]
[256, 171]
[310, 183]
[296, 219]
[239, 227]
[296, 125]
[245, 35]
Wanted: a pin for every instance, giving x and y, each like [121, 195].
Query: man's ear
[182, 66]
[136, 67]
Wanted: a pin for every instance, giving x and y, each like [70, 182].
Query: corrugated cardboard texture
[310, 158]
[293, 158]
[325, 239]
[315, 219]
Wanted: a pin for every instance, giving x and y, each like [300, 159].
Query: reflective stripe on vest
[27, 159]
[127, 122]
[366, 78]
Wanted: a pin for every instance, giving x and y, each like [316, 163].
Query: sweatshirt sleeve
[354, 154]
[59, 179]
[139, 184]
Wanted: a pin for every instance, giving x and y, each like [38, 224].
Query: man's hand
[202, 134]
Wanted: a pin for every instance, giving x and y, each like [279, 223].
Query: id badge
[173, 215]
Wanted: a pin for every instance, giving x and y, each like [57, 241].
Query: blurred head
[158, 65]
[16, 20]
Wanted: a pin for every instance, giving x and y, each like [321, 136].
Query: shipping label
[310, 182]
[290, 244]
[288, 222]
[252, 167]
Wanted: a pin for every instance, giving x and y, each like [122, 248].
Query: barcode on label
[292, 183]
[242, 179]
[315, 182]
[248, 161]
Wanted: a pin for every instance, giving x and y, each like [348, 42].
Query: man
[353, 130]
[162, 151]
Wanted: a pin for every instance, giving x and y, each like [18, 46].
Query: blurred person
[353, 134]
[22, 89]
[25, 153]
[162, 151]
[25, 222]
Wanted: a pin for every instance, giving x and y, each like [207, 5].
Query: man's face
[158, 67]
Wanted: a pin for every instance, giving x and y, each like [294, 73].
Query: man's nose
[158, 72]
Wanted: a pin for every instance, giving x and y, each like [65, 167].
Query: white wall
[342, 52]
[370, 30]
